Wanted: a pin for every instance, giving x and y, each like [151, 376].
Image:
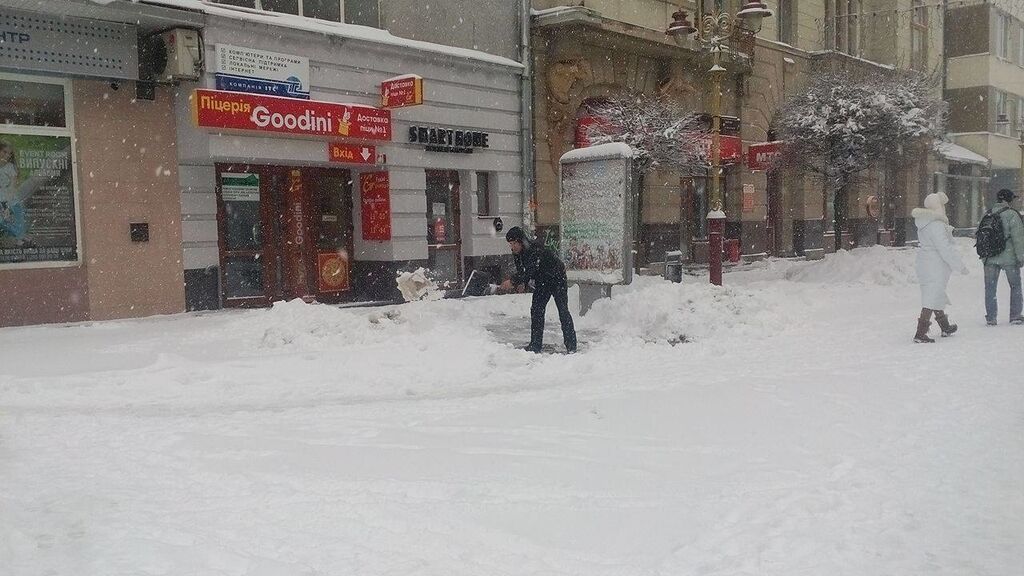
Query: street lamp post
[713, 35]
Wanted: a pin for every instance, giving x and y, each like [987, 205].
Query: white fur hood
[925, 216]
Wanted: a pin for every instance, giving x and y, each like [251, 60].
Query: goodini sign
[257, 113]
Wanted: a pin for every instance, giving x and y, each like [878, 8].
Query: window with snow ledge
[787, 11]
[1003, 37]
[361, 12]
[39, 217]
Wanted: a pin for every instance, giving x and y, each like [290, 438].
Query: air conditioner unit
[184, 51]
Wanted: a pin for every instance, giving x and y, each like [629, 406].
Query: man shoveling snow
[538, 264]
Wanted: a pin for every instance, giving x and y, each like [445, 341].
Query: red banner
[296, 237]
[401, 91]
[730, 149]
[351, 153]
[375, 194]
[763, 156]
[583, 126]
[253, 112]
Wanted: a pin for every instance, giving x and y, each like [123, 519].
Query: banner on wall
[37, 200]
[375, 201]
[257, 113]
[255, 71]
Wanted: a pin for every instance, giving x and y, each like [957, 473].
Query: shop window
[38, 200]
[362, 12]
[32, 104]
[786, 17]
[1003, 36]
[1020, 46]
[486, 199]
[1002, 113]
[919, 36]
[282, 6]
[322, 9]
[846, 28]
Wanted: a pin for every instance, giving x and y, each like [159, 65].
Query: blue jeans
[991, 280]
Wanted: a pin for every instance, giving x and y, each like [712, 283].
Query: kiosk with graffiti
[596, 206]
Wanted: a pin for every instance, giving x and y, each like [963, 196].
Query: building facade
[89, 216]
[433, 187]
[611, 48]
[218, 154]
[984, 85]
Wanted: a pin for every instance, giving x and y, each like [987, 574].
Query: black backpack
[990, 240]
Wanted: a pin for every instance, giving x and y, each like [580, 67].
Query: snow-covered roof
[957, 153]
[599, 152]
[353, 31]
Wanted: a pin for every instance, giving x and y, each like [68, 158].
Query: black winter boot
[923, 323]
[948, 328]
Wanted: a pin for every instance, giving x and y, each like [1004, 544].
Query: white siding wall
[458, 93]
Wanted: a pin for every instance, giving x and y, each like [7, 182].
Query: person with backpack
[538, 264]
[937, 258]
[1000, 245]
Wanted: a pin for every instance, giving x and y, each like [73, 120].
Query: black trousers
[541, 295]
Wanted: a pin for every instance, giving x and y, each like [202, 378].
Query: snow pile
[655, 310]
[307, 326]
[417, 286]
[876, 265]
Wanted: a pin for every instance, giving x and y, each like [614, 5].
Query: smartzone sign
[254, 113]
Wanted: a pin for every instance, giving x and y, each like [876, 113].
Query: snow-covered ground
[784, 425]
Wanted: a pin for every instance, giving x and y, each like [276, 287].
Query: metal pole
[1020, 177]
[716, 217]
[526, 120]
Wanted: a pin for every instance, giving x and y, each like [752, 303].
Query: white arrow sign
[365, 154]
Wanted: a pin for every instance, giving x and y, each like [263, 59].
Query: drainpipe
[526, 116]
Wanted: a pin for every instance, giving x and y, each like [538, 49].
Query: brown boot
[923, 323]
[944, 324]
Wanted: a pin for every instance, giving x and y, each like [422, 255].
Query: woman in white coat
[937, 258]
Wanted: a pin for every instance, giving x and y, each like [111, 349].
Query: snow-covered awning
[957, 153]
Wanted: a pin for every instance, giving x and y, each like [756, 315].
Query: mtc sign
[764, 156]
[258, 113]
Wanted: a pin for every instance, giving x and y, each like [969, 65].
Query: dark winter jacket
[540, 264]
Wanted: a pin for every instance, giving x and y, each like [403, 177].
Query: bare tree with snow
[662, 133]
[840, 125]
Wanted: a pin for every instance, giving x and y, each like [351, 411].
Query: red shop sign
[730, 149]
[258, 113]
[375, 200]
[401, 91]
[351, 153]
[763, 156]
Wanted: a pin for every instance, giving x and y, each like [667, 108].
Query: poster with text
[37, 200]
[375, 199]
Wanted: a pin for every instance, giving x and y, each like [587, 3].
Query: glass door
[331, 195]
[444, 238]
[247, 229]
